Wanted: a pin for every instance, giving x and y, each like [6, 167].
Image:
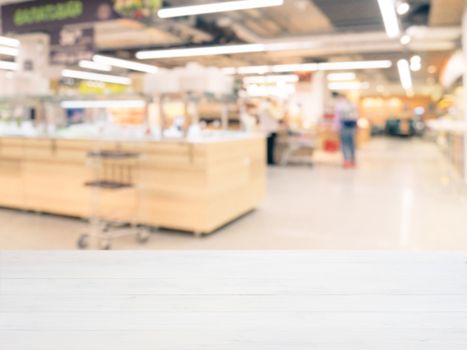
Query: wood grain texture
[233, 300]
[189, 186]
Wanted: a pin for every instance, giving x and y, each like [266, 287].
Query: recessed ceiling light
[416, 63]
[403, 8]
[406, 39]
[415, 59]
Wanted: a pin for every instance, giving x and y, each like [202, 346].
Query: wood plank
[233, 300]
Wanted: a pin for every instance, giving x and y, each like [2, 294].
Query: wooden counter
[190, 186]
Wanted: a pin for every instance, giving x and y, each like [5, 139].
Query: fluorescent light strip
[300, 67]
[290, 78]
[5, 41]
[6, 65]
[352, 85]
[341, 76]
[391, 22]
[404, 72]
[8, 51]
[225, 6]
[76, 74]
[117, 62]
[308, 67]
[221, 50]
[103, 104]
[201, 51]
[355, 65]
[94, 66]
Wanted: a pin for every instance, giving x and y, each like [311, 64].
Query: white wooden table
[232, 300]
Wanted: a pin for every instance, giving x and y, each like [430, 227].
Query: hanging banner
[71, 45]
[47, 15]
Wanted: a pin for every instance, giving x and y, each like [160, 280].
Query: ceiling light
[114, 79]
[383, 64]
[416, 63]
[201, 51]
[404, 73]
[406, 39]
[415, 59]
[341, 76]
[351, 85]
[309, 67]
[95, 66]
[8, 51]
[415, 67]
[390, 20]
[117, 62]
[103, 104]
[300, 67]
[6, 65]
[216, 7]
[290, 78]
[9, 41]
[403, 8]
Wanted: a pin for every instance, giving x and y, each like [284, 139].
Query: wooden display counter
[190, 186]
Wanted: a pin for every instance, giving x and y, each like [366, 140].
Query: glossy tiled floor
[404, 195]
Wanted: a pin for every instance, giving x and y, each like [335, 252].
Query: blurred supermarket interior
[192, 124]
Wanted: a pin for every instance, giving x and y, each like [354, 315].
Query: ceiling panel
[447, 12]
[352, 15]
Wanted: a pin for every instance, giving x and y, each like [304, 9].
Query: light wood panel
[233, 300]
[182, 185]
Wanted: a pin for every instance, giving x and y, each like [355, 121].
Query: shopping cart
[115, 199]
[297, 147]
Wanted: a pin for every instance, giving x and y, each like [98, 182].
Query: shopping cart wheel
[105, 244]
[142, 236]
[83, 241]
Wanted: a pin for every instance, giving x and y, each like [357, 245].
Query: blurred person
[270, 126]
[346, 117]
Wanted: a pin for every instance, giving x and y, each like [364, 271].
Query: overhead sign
[71, 45]
[46, 15]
